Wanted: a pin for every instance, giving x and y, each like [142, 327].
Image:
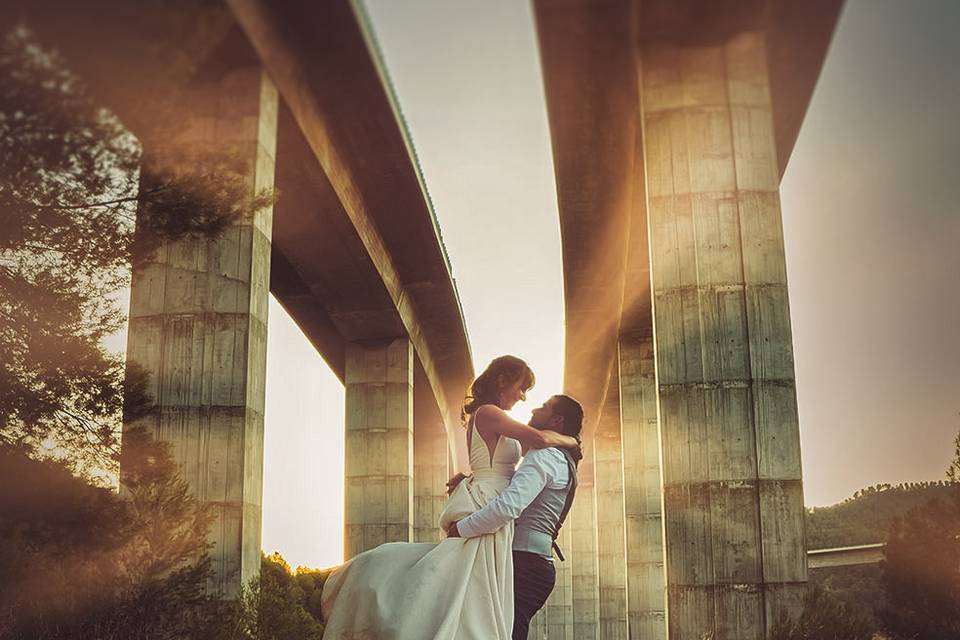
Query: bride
[460, 588]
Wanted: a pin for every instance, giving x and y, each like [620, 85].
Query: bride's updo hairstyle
[500, 374]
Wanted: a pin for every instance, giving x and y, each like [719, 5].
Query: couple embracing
[495, 569]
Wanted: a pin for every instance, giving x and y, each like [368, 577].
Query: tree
[953, 471]
[58, 539]
[281, 604]
[311, 581]
[823, 618]
[78, 561]
[921, 567]
[77, 208]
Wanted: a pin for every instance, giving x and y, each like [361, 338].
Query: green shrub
[281, 604]
[823, 618]
[77, 561]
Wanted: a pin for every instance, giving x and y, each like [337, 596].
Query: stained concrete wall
[611, 545]
[538, 626]
[555, 620]
[430, 475]
[379, 444]
[559, 607]
[733, 502]
[641, 470]
[198, 321]
[583, 559]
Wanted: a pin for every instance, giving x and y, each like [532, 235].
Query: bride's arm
[493, 419]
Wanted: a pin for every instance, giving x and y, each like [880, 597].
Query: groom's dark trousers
[533, 580]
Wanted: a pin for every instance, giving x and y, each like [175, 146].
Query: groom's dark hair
[572, 414]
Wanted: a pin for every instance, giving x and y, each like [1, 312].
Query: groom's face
[544, 417]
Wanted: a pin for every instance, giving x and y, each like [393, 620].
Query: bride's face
[512, 394]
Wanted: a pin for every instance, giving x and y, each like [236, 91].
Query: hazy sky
[870, 216]
[871, 213]
[302, 449]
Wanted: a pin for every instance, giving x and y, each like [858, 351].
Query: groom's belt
[533, 541]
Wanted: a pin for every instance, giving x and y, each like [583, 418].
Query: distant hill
[866, 517]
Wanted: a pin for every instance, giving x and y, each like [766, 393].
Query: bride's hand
[453, 482]
[556, 439]
[577, 451]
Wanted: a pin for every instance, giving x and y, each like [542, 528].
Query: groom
[538, 498]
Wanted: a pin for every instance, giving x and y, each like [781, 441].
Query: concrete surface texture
[198, 322]
[585, 594]
[379, 445]
[733, 498]
[642, 488]
[611, 533]
[671, 124]
[431, 468]
[555, 620]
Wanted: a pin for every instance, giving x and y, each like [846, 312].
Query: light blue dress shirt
[534, 498]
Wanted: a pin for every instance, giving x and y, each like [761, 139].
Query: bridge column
[538, 626]
[558, 612]
[611, 546]
[379, 444]
[555, 620]
[583, 554]
[641, 470]
[198, 322]
[430, 466]
[733, 500]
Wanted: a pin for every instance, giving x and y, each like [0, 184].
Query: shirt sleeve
[533, 474]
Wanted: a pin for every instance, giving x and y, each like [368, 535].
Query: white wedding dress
[457, 589]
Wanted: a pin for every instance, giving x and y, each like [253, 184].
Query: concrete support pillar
[733, 499]
[198, 321]
[555, 620]
[538, 626]
[558, 612]
[611, 546]
[583, 556]
[641, 470]
[430, 475]
[379, 444]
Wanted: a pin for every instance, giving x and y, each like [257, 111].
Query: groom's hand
[452, 530]
[453, 482]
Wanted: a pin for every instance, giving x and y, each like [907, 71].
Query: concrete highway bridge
[671, 122]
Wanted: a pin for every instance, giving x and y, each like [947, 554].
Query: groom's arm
[528, 481]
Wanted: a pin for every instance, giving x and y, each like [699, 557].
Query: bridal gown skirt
[457, 589]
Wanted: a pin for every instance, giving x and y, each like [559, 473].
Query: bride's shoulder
[489, 411]
[488, 418]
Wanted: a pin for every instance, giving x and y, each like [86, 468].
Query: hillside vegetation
[866, 517]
